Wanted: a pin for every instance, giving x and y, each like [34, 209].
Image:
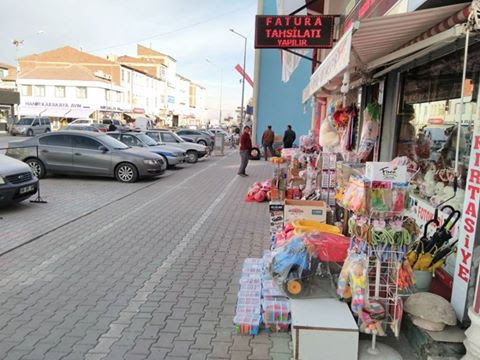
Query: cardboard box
[276, 210]
[384, 171]
[305, 209]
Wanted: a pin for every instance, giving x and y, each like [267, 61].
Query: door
[36, 127]
[168, 138]
[88, 158]
[55, 151]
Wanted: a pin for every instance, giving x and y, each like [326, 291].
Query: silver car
[85, 153]
[194, 151]
[17, 182]
[31, 126]
[171, 154]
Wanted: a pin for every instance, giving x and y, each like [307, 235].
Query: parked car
[86, 153]
[17, 182]
[92, 127]
[170, 154]
[82, 122]
[118, 124]
[31, 126]
[194, 151]
[197, 136]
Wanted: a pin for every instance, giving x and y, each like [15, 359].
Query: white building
[70, 91]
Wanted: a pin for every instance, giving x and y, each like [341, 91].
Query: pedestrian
[245, 148]
[289, 137]
[267, 141]
[112, 127]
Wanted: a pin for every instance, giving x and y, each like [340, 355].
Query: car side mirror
[103, 149]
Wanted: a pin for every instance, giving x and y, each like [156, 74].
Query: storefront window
[26, 90]
[60, 91]
[430, 111]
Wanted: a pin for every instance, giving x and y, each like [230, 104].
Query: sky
[190, 31]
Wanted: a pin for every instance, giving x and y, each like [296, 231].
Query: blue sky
[190, 31]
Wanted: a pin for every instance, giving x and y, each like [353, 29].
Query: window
[154, 135]
[167, 137]
[130, 140]
[55, 140]
[81, 92]
[85, 142]
[45, 121]
[27, 90]
[115, 136]
[123, 75]
[119, 96]
[60, 91]
[39, 90]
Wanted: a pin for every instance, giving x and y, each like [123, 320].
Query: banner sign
[469, 228]
[301, 31]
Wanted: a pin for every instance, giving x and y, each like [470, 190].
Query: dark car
[86, 153]
[197, 136]
[17, 182]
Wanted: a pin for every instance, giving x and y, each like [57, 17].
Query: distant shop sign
[282, 32]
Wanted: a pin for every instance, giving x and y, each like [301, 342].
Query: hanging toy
[370, 131]
[358, 281]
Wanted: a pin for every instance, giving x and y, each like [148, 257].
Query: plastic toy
[247, 324]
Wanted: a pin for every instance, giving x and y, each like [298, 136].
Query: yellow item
[423, 262]
[412, 257]
[436, 265]
[277, 160]
[304, 226]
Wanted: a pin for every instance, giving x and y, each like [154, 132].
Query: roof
[6, 66]
[67, 54]
[67, 72]
[147, 52]
[138, 69]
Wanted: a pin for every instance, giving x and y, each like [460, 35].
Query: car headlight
[150, 162]
[2, 181]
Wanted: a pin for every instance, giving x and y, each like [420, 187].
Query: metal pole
[462, 100]
[221, 95]
[242, 113]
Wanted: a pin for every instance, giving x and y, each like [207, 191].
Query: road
[122, 271]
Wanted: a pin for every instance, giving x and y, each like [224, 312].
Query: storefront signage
[138, 111]
[301, 31]
[469, 228]
[336, 62]
[367, 9]
[52, 104]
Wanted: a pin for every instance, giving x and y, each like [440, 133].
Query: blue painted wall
[280, 104]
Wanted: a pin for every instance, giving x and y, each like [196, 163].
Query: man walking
[289, 137]
[245, 148]
[267, 141]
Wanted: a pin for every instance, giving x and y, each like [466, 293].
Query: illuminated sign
[282, 32]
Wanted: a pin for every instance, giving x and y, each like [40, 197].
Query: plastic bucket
[423, 279]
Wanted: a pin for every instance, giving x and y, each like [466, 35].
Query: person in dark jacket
[289, 137]
[112, 127]
[245, 148]
[267, 141]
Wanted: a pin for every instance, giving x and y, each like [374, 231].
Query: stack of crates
[248, 312]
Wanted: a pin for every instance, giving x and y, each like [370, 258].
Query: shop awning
[371, 43]
[78, 113]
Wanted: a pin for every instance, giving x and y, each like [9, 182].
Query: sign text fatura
[312, 31]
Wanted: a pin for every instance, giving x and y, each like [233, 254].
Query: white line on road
[114, 333]
[40, 271]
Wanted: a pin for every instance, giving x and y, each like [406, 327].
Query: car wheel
[192, 157]
[37, 167]
[165, 160]
[126, 173]
[30, 132]
[202, 142]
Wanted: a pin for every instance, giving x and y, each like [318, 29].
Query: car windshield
[112, 143]
[178, 138]
[25, 121]
[147, 140]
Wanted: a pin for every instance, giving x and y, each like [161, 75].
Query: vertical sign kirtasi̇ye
[469, 227]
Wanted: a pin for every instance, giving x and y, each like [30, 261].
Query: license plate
[26, 189]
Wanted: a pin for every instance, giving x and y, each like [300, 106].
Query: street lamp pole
[242, 114]
[221, 89]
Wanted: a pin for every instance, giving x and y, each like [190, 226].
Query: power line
[175, 30]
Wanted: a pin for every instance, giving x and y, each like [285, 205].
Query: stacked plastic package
[260, 300]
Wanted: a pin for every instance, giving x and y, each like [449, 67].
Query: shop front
[8, 101]
[396, 237]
